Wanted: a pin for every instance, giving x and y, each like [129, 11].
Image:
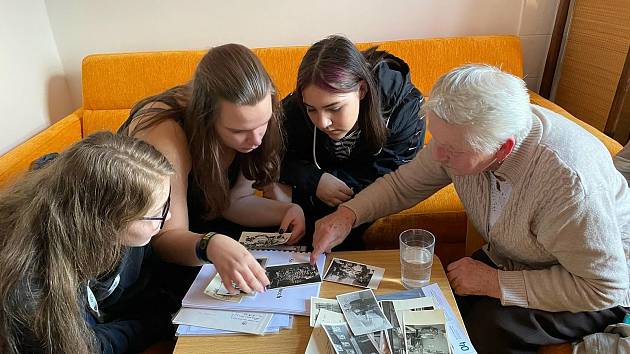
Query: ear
[362, 89]
[506, 148]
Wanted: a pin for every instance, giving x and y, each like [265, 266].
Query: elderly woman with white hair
[544, 194]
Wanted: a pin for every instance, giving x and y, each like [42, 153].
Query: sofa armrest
[55, 138]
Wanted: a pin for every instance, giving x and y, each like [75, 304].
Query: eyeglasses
[162, 219]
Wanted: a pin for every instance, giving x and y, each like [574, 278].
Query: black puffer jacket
[400, 104]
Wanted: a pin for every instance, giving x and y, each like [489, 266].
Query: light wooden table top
[294, 340]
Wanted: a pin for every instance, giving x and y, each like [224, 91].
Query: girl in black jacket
[354, 116]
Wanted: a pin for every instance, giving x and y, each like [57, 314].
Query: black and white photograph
[395, 335]
[362, 312]
[263, 239]
[425, 332]
[380, 342]
[343, 342]
[414, 304]
[293, 274]
[353, 273]
[318, 304]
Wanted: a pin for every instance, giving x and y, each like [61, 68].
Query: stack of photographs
[411, 326]
[417, 327]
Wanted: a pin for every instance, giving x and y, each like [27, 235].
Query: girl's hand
[333, 191]
[236, 265]
[294, 222]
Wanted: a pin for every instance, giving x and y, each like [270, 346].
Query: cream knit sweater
[562, 241]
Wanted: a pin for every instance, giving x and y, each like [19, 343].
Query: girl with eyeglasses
[76, 265]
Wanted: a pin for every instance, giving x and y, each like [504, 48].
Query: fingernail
[281, 231]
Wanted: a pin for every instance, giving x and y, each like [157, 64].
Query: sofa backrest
[112, 83]
[55, 138]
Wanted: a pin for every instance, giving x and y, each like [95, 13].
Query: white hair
[491, 104]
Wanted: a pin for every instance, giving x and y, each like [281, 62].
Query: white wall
[42, 42]
[85, 27]
[33, 88]
[537, 23]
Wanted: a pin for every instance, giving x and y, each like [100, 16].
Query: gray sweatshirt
[562, 241]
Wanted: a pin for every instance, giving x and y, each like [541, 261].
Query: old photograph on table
[263, 239]
[395, 336]
[343, 342]
[318, 304]
[215, 285]
[353, 273]
[425, 332]
[293, 274]
[362, 312]
[380, 342]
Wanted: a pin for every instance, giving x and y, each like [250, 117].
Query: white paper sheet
[278, 322]
[236, 321]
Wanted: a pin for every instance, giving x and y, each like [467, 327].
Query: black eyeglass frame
[165, 210]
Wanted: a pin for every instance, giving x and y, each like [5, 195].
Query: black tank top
[196, 204]
[197, 222]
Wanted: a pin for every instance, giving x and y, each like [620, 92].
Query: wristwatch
[202, 246]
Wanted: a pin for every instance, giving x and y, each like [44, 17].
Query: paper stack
[356, 322]
[208, 309]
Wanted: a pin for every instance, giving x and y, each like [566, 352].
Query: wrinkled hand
[331, 230]
[470, 277]
[333, 191]
[278, 191]
[236, 265]
[294, 222]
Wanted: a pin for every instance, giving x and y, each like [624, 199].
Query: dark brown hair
[61, 226]
[230, 73]
[335, 64]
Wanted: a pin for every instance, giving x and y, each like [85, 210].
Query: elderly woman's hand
[470, 277]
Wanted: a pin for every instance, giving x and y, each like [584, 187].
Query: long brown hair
[229, 73]
[61, 226]
[336, 65]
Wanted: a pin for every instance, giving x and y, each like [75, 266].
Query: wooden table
[295, 339]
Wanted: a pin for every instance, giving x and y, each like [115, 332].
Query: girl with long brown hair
[75, 266]
[222, 134]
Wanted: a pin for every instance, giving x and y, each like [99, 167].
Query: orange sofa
[112, 83]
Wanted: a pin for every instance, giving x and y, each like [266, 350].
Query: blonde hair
[493, 105]
[60, 226]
